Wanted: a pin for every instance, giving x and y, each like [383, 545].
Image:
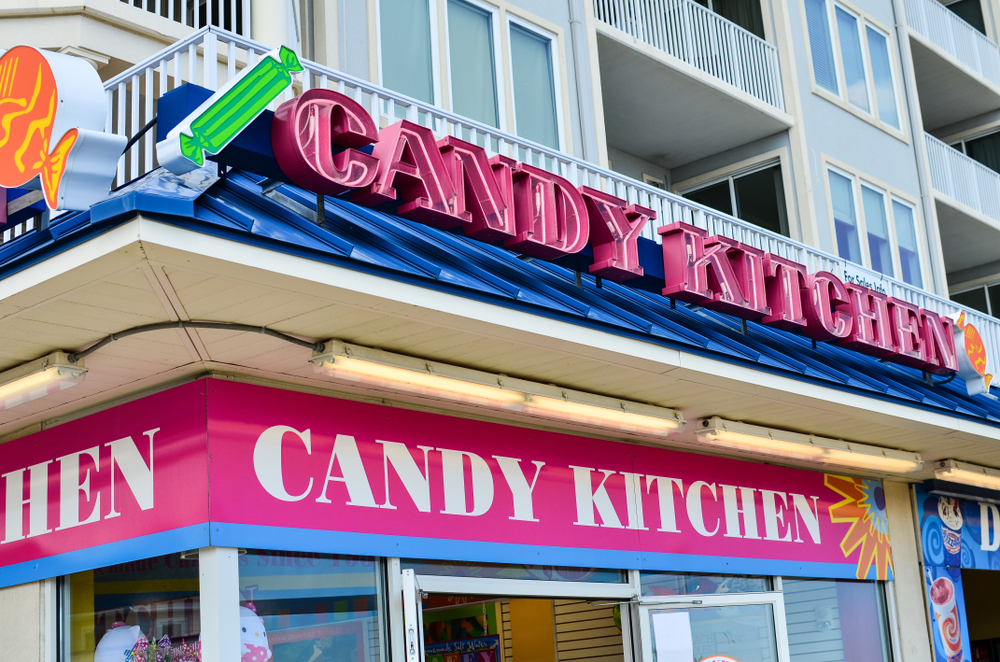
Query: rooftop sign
[52, 117]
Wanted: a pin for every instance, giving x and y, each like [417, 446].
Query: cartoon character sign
[118, 643]
[52, 115]
[253, 636]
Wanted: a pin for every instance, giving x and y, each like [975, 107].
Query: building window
[472, 62]
[313, 606]
[835, 621]
[406, 61]
[984, 148]
[885, 222]
[984, 298]
[756, 196]
[151, 603]
[744, 13]
[864, 69]
[970, 11]
[532, 70]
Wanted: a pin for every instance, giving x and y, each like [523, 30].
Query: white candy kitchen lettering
[83, 476]
[469, 487]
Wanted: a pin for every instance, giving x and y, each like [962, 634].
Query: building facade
[701, 384]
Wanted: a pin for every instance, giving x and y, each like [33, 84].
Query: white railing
[232, 15]
[703, 39]
[944, 28]
[963, 179]
[210, 57]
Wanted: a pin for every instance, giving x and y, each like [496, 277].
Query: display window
[311, 607]
[144, 611]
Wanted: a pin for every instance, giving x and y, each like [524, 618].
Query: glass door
[748, 627]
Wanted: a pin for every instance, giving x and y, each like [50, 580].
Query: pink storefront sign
[300, 472]
[339, 475]
[122, 484]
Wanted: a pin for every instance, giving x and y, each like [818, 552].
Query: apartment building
[755, 402]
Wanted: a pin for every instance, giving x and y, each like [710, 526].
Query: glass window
[821, 46]
[512, 571]
[879, 243]
[759, 198]
[845, 217]
[152, 604]
[743, 632]
[310, 606]
[994, 295]
[534, 86]
[970, 11]
[717, 196]
[986, 150]
[885, 91]
[406, 47]
[473, 69]
[906, 237]
[744, 13]
[853, 59]
[672, 583]
[835, 621]
[975, 299]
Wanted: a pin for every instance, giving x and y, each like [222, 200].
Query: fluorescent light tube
[404, 374]
[967, 474]
[783, 444]
[38, 379]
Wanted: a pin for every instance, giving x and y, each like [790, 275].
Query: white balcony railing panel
[963, 179]
[945, 29]
[210, 57]
[232, 15]
[701, 38]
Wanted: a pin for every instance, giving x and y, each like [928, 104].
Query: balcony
[114, 34]
[210, 57]
[680, 82]
[952, 60]
[967, 197]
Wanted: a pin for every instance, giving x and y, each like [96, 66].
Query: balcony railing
[232, 15]
[210, 57]
[945, 29]
[703, 39]
[963, 179]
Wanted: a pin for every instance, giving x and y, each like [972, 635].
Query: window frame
[889, 195]
[556, 79]
[435, 44]
[864, 20]
[497, 47]
[730, 176]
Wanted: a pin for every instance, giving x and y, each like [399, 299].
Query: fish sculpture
[52, 117]
[973, 359]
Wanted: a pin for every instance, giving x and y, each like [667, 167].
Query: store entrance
[469, 628]
[983, 612]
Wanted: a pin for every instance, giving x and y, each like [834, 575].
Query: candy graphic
[217, 122]
[52, 112]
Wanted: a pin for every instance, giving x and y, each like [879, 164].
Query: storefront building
[324, 387]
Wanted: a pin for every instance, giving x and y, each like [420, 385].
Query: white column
[269, 22]
[220, 604]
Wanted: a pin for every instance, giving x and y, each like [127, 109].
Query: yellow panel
[533, 631]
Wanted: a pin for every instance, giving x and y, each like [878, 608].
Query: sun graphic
[864, 507]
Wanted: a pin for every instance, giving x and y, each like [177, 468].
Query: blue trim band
[371, 544]
[123, 551]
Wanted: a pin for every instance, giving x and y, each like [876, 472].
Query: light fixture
[39, 378]
[967, 474]
[428, 379]
[783, 444]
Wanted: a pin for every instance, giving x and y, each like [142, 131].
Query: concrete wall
[911, 611]
[21, 612]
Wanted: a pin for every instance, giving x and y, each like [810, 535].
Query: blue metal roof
[378, 242]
